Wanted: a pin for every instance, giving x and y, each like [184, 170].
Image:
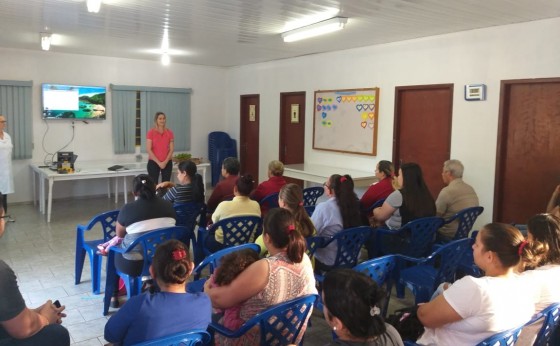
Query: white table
[89, 170]
[321, 173]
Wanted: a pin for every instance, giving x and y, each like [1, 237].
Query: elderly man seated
[456, 196]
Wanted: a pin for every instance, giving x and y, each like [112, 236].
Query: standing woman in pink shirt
[159, 146]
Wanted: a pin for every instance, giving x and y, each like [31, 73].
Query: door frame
[242, 129]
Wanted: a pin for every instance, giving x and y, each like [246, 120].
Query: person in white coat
[6, 175]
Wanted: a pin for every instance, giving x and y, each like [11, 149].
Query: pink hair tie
[521, 247]
[291, 228]
[342, 179]
[178, 254]
[300, 204]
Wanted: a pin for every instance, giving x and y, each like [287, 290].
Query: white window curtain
[15, 105]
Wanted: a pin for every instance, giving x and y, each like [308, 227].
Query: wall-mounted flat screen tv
[61, 101]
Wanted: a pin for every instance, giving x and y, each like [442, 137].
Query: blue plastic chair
[467, 265]
[280, 324]
[425, 277]
[188, 215]
[377, 204]
[310, 197]
[107, 221]
[190, 338]
[551, 316]
[505, 338]
[149, 242]
[237, 230]
[269, 202]
[349, 242]
[415, 239]
[466, 217]
[382, 271]
[213, 262]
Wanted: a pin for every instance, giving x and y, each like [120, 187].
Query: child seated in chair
[231, 265]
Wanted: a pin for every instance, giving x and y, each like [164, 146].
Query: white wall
[93, 141]
[527, 50]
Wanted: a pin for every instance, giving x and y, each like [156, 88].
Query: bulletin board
[346, 120]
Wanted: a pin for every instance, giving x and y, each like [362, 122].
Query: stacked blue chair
[149, 242]
[551, 322]
[381, 270]
[188, 215]
[107, 221]
[428, 273]
[190, 338]
[213, 262]
[415, 239]
[310, 197]
[220, 147]
[280, 324]
[237, 230]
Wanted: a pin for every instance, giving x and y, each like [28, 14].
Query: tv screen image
[62, 101]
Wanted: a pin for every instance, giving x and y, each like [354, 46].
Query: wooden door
[249, 141]
[422, 131]
[528, 154]
[292, 129]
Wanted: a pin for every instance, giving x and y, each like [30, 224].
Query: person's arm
[215, 198]
[384, 212]
[170, 152]
[249, 283]
[441, 203]
[117, 326]
[29, 322]
[165, 185]
[553, 200]
[120, 230]
[437, 313]
[150, 151]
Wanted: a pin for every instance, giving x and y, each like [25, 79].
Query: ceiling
[239, 32]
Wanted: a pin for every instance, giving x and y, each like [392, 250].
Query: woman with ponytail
[351, 307]
[340, 211]
[286, 274]
[544, 274]
[473, 309]
[151, 316]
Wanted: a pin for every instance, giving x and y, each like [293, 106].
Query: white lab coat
[6, 174]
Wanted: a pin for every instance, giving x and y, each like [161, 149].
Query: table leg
[49, 205]
[42, 194]
[34, 188]
[116, 189]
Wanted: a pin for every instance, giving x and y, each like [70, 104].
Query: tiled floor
[42, 256]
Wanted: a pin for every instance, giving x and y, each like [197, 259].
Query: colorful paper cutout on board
[363, 124]
[338, 99]
[364, 116]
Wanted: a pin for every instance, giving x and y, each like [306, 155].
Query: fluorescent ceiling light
[93, 6]
[321, 28]
[45, 41]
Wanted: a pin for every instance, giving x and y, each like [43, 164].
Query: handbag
[406, 322]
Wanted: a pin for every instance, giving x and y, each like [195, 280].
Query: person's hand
[164, 185]
[162, 164]
[51, 312]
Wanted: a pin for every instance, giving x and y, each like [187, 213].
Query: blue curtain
[174, 102]
[15, 105]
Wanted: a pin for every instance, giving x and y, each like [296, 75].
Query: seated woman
[340, 211]
[285, 275]
[473, 309]
[145, 214]
[190, 187]
[151, 316]
[291, 197]
[272, 185]
[240, 205]
[412, 201]
[385, 172]
[351, 306]
[543, 229]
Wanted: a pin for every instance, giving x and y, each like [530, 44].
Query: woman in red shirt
[159, 145]
[385, 172]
